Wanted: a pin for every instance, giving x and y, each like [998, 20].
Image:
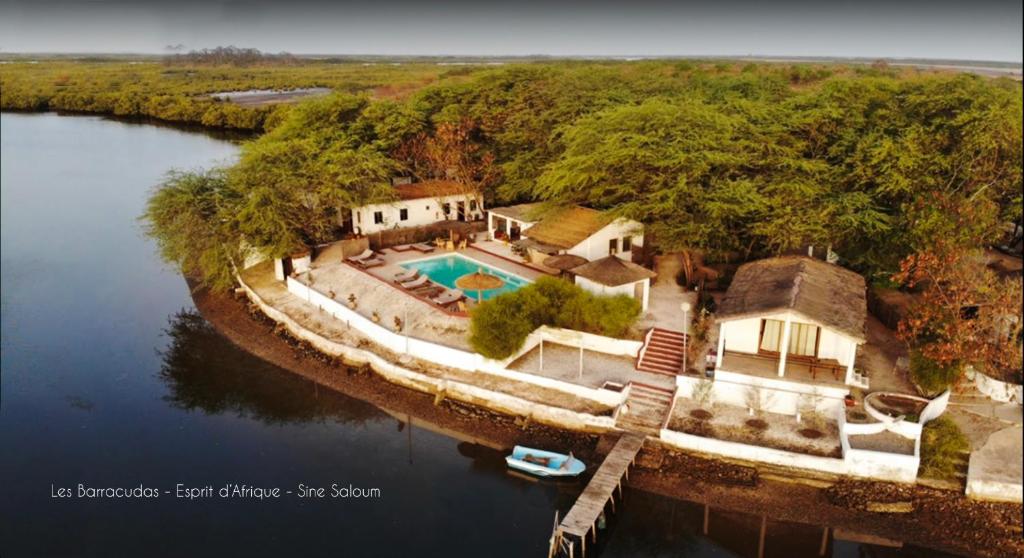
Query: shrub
[942, 444]
[930, 375]
[500, 325]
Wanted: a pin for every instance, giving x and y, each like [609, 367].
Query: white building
[576, 230]
[788, 333]
[613, 276]
[602, 245]
[419, 203]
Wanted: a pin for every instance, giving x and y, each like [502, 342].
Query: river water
[110, 379]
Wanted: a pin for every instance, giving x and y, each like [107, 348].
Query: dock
[581, 520]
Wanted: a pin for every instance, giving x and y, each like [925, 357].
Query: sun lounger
[402, 247]
[421, 247]
[367, 254]
[449, 297]
[415, 283]
[428, 291]
[368, 263]
[407, 275]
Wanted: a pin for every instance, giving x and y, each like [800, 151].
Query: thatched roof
[526, 212]
[612, 271]
[824, 293]
[566, 227]
[430, 189]
[564, 262]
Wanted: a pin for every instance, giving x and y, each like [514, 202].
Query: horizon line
[631, 57]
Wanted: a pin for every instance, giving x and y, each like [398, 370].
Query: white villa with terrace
[589, 247]
[792, 326]
[418, 204]
[579, 231]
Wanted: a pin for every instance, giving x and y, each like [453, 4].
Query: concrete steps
[662, 352]
[645, 409]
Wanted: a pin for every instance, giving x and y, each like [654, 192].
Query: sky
[945, 29]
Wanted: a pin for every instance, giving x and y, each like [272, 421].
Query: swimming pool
[445, 269]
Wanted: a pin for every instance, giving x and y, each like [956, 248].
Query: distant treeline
[180, 92]
[230, 56]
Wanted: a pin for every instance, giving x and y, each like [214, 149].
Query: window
[613, 246]
[771, 335]
[378, 217]
[359, 217]
[472, 205]
[627, 243]
[403, 214]
[446, 208]
[803, 338]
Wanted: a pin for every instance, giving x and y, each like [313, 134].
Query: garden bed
[734, 424]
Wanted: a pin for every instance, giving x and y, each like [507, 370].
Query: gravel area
[729, 423]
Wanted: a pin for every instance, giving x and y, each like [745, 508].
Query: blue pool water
[445, 269]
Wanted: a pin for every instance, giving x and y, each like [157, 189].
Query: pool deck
[375, 291]
[393, 261]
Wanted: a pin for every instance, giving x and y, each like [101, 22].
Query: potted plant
[352, 300]
[375, 317]
[398, 324]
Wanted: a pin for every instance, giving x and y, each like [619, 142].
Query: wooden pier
[581, 520]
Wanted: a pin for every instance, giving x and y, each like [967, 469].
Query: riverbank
[942, 520]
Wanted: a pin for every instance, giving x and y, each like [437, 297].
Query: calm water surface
[110, 378]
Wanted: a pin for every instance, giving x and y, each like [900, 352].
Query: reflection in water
[203, 372]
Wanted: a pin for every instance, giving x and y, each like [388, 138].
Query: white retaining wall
[995, 490]
[450, 356]
[855, 462]
[554, 416]
[997, 390]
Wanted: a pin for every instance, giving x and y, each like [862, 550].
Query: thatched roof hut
[822, 292]
[613, 272]
[564, 262]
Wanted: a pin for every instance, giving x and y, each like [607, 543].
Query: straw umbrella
[479, 282]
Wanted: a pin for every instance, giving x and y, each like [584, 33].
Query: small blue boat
[544, 463]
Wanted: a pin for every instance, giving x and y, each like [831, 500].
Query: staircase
[645, 409]
[662, 352]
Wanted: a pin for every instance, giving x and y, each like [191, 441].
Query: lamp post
[685, 307]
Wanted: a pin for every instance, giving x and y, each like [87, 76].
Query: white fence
[776, 396]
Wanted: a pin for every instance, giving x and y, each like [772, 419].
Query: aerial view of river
[112, 380]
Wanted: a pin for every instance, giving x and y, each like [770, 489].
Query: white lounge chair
[407, 275]
[367, 254]
[415, 283]
[422, 247]
[369, 262]
[448, 297]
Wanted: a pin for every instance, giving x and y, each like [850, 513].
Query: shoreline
[942, 520]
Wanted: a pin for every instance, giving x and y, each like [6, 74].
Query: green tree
[189, 218]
